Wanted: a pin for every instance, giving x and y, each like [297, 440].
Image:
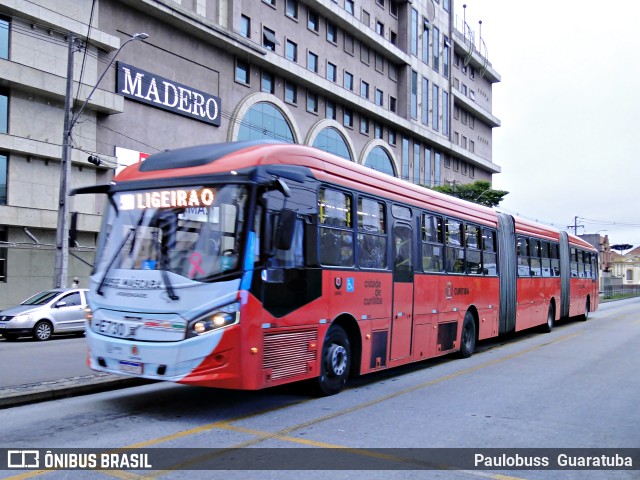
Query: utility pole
[62, 232]
[575, 225]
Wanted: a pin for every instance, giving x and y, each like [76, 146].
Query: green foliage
[478, 192]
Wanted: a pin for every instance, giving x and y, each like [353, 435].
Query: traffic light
[95, 160]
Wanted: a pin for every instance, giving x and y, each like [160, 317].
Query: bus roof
[235, 156]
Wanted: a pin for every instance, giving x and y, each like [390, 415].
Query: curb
[63, 388]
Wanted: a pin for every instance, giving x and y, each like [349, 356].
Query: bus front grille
[288, 354]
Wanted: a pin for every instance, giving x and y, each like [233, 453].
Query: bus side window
[489, 255]
[555, 259]
[455, 247]
[574, 262]
[372, 233]
[534, 251]
[546, 259]
[432, 239]
[473, 241]
[523, 257]
[336, 228]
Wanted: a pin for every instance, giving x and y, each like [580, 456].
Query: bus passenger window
[555, 259]
[523, 257]
[536, 265]
[546, 259]
[372, 238]
[574, 262]
[489, 256]
[455, 248]
[432, 248]
[473, 253]
[336, 228]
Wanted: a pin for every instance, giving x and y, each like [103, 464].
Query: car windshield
[194, 232]
[40, 298]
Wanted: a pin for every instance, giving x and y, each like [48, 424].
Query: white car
[59, 310]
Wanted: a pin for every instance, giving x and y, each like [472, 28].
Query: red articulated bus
[253, 264]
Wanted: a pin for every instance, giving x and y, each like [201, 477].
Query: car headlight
[22, 318]
[221, 317]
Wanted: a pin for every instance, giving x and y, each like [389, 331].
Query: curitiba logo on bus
[146, 87]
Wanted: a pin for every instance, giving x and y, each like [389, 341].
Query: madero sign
[155, 90]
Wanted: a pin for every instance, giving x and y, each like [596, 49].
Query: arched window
[264, 120]
[331, 140]
[378, 159]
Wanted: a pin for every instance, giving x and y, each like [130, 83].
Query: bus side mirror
[285, 229]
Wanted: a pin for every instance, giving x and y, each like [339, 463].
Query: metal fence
[610, 291]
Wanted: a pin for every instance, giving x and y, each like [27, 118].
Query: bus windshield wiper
[113, 259]
[164, 264]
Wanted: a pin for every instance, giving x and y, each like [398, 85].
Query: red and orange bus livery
[253, 264]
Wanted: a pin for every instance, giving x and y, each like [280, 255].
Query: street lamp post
[61, 266]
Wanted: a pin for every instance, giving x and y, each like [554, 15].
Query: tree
[478, 192]
[621, 247]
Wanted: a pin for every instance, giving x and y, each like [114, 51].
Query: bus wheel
[468, 340]
[587, 310]
[335, 361]
[547, 327]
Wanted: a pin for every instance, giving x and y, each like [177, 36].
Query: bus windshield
[195, 232]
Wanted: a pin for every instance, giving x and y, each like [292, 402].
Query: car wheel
[42, 331]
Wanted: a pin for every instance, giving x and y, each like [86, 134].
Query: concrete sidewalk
[65, 387]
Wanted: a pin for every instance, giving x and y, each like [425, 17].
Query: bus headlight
[222, 317]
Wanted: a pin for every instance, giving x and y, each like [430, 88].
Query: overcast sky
[569, 104]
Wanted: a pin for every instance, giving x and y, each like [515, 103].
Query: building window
[348, 81]
[393, 38]
[331, 140]
[349, 7]
[425, 41]
[472, 146]
[332, 72]
[414, 31]
[242, 72]
[445, 112]
[393, 8]
[291, 8]
[436, 49]
[313, 22]
[436, 169]
[445, 58]
[405, 159]
[436, 112]
[270, 2]
[4, 165]
[392, 104]
[269, 39]
[378, 159]
[245, 26]
[348, 44]
[291, 51]
[4, 110]
[391, 135]
[364, 89]
[393, 73]
[312, 102]
[348, 118]
[366, 18]
[379, 59]
[290, 93]
[379, 97]
[364, 125]
[414, 94]
[265, 120]
[416, 163]
[446, 5]
[365, 54]
[332, 33]
[331, 110]
[268, 84]
[312, 62]
[377, 130]
[427, 167]
[425, 101]
[380, 28]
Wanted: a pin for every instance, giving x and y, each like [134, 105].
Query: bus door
[402, 319]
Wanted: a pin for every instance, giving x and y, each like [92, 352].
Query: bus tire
[335, 362]
[587, 311]
[547, 327]
[468, 336]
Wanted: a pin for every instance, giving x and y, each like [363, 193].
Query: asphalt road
[577, 387]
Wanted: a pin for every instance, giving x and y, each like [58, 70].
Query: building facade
[393, 85]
